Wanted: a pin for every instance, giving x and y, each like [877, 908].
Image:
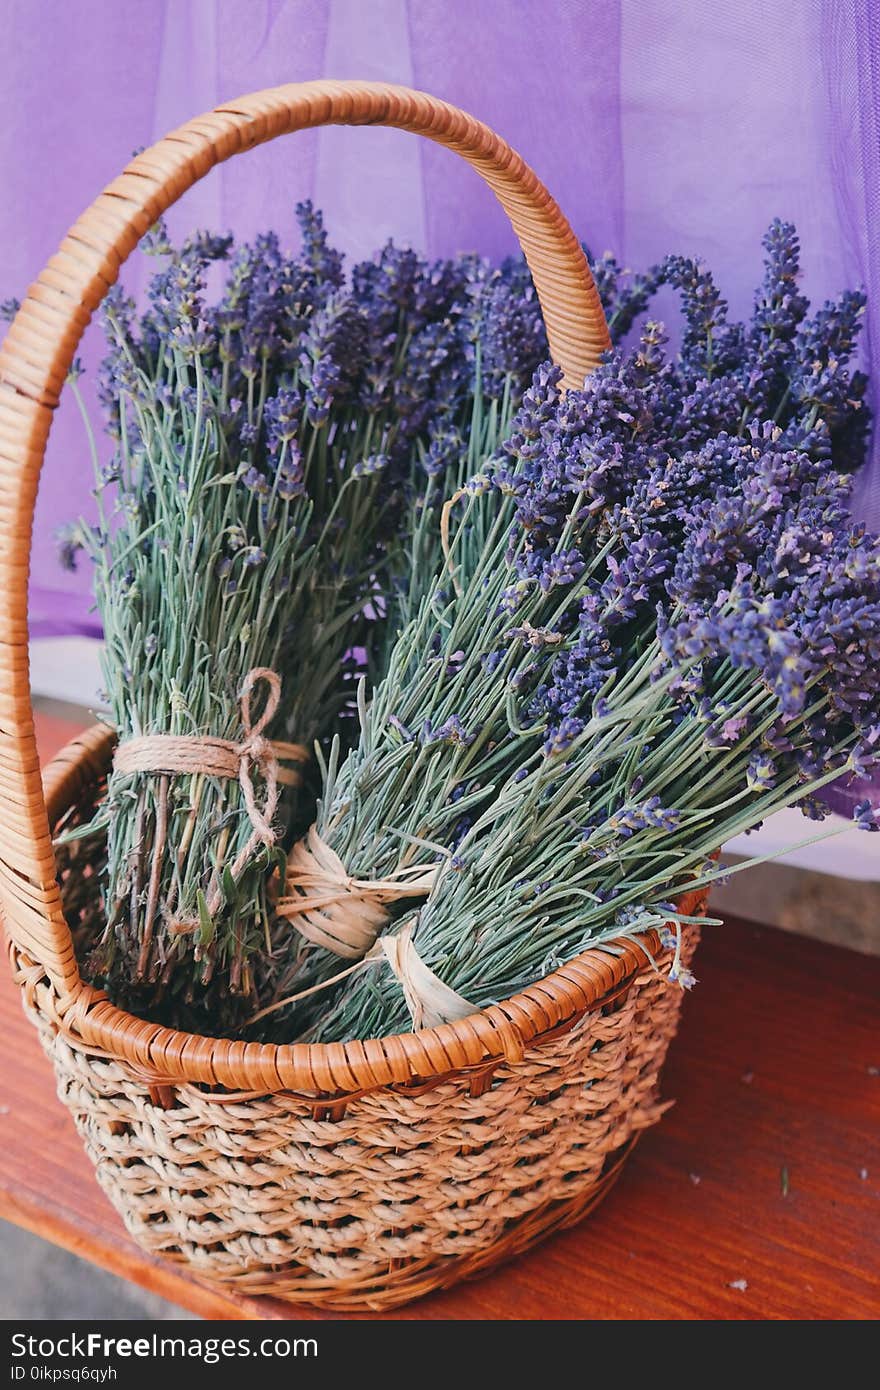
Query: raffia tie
[220, 757]
[429, 1000]
[331, 909]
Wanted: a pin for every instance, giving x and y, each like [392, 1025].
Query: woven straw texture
[353, 1175]
[405, 1191]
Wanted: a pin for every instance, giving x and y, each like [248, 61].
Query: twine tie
[429, 1000]
[330, 909]
[219, 757]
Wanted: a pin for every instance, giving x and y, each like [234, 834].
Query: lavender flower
[282, 419]
[70, 542]
[866, 816]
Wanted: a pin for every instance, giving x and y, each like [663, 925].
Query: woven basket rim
[477, 1043]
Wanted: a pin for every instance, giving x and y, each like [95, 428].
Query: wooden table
[758, 1195]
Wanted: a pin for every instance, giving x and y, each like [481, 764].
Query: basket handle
[40, 345]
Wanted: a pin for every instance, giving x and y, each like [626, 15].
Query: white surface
[67, 668]
[849, 853]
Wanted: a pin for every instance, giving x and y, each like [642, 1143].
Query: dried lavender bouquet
[274, 439]
[192, 574]
[241, 514]
[580, 467]
[194, 556]
[754, 692]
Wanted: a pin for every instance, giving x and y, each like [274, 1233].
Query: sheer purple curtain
[659, 124]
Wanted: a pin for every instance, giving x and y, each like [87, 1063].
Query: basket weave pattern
[407, 1189]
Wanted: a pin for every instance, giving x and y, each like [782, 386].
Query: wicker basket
[354, 1175]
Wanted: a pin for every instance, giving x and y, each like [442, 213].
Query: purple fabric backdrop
[659, 124]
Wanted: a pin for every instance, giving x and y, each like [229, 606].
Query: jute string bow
[429, 1000]
[331, 909]
[219, 757]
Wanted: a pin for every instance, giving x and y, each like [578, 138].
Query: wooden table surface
[757, 1196]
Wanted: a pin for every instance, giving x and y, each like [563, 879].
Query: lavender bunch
[750, 689]
[175, 506]
[607, 487]
[464, 705]
[272, 440]
[216, 515]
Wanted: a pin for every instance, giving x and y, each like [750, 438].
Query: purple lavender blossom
[282, 418]
[866, 816]
[451, 731]
[69, 541]
[711, 483]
